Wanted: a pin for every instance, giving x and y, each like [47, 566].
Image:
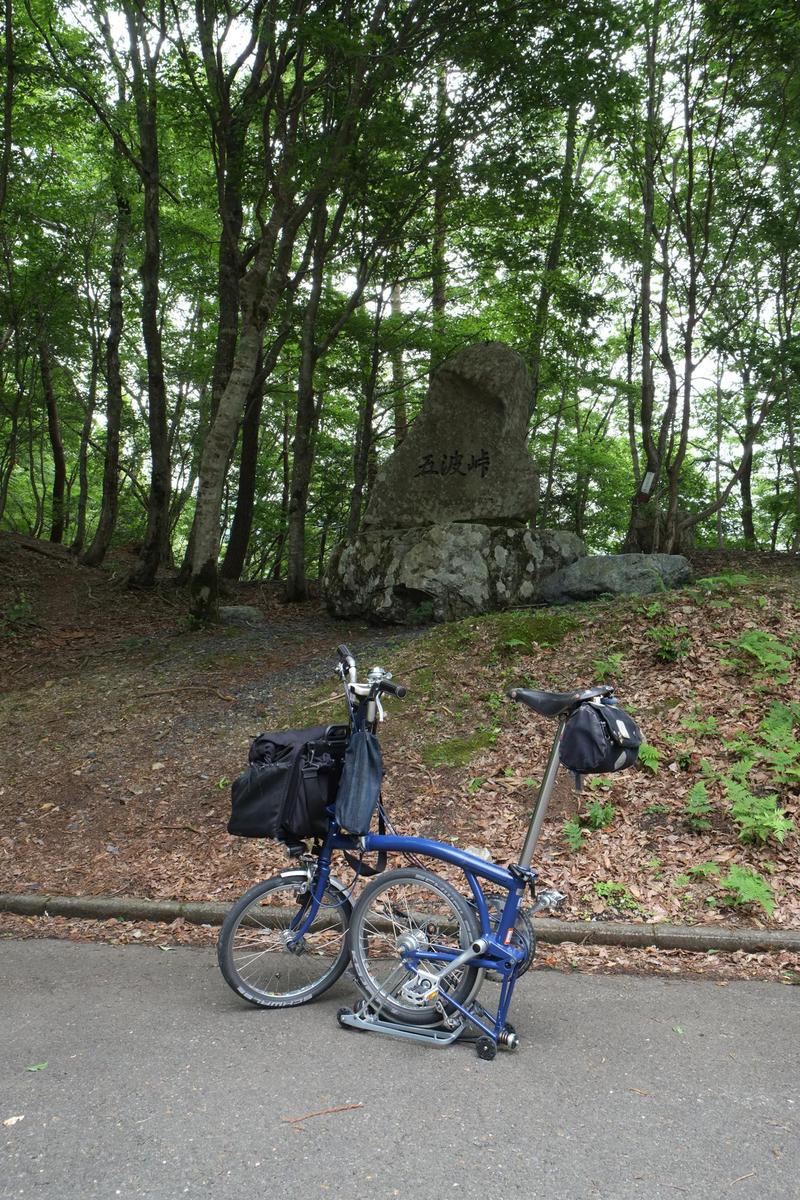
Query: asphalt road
[161, 1084]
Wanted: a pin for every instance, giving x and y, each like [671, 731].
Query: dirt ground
[122, 729]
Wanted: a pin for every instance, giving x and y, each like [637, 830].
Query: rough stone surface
[240, 614]
[615, 574]
[443, 572]
[465, 457]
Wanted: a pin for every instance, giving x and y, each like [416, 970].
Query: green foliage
[607, 668]
[759, 818]
[454, 752]
[597, 815]
[703, 726]
[704, 870]
[15, 614]
[764, 650]
[742, 886]
[573, 834]
[617, 895]
[519, 632]
[697, 808]
[727, 581]
[649, 757]
[671, 642]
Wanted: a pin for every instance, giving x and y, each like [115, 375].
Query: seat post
[543, 799]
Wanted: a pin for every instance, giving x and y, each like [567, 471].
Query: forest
[237, 238]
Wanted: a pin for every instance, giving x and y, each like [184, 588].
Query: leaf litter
[142, 690]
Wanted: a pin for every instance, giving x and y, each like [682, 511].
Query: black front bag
[599, 738]
[292, 777]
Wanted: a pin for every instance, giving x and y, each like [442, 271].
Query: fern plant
[697, 808]
[773, 657]
[743, 886]
[759, 817]
[649, 757]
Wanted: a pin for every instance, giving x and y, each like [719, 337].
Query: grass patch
[518, 632]
[454, 752]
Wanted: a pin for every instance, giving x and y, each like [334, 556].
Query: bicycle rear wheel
[258, 954]
[414, 908]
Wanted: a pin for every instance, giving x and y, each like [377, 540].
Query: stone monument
[447, 531]
[465, 457]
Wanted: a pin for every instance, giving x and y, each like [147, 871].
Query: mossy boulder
[443, 572]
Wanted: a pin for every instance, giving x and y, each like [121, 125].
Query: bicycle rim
[260, 955]
[411, 904]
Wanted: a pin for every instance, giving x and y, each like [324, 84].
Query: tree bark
[553, 259]
[652, 465]
[56, 444]
[439, 230]
[398, 368]
[144, 62]
[305, 423]
[238, 541]
[96, 552]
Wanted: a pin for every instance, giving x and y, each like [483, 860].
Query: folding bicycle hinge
[548, 899]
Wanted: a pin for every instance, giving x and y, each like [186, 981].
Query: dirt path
[120, 728]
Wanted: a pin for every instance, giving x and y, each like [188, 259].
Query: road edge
[548, 929]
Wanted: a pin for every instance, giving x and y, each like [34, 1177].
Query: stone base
[616, 575]
[443, 572]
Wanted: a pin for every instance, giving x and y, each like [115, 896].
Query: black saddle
[555, 704]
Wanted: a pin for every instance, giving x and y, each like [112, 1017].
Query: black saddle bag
[292, 779]
[599, 738]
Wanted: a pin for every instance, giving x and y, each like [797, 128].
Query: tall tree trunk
[439, 231]
[144, 61]
[364, 438]
[718, 457]
[86, 427]
[83, 457]
[746, 477]
[56, 445]
[553, 259]
[646, 487]
[305, 426]
[8, 102]
[236, 552]
[280, 542]
[551, 462]
[96, 552]
[398, 368]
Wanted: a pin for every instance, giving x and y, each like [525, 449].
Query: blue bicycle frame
[493, 949]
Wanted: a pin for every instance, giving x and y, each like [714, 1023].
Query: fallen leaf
[13, 1120]
[37, 1067]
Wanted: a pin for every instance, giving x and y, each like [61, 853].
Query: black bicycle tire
[230, 926]
[470, 980]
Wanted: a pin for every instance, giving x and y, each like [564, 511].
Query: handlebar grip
[345, 654]
[394, 689]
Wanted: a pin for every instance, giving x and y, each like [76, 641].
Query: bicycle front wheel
[411, 909]
[259, 954]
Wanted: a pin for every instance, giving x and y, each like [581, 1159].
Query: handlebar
[377, 684]
[345, 654]
[394, 689]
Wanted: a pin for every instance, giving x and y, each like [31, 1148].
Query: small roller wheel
[344, 1012]
[509, 1038]
[486, 1048]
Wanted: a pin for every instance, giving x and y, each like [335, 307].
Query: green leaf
[37, 1067]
